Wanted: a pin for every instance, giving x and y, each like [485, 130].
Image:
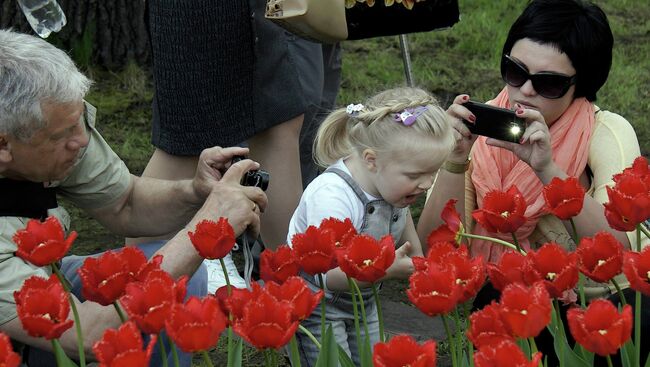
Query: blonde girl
[381, 156]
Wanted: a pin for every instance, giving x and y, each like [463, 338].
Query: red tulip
[552, 264]
[43, 308]
[600, 328]
[525, 310]
[601, 257]
[502, 212]
[629, 202]
[470, 273]
[213, 240]
[637, 270]
[278, 265]
[504, 354]
[366, 259]
[267, 322]
[238, 299]
[639, 168]
[104, 278]
[315, 250]
[8, 358]
[434, 291]
[486, 326]
[123, 347]
[403, 350]
[509, 269]
[149, 303]
[436, 255]
[43, 243]
[452, 229]
[564, 198]
[196, 325]
[297, 293]
[343, 230]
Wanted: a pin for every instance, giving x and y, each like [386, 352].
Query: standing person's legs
[328, 75]
[276, 149]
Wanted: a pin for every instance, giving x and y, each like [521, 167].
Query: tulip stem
[380, 316]
[620, 292]
[515, 241]
[581, 290]
[609, 361]
[363, 309]
[452, 346]
[206, 358]
[163, 352]
[637, 308]
[574, 235]
[533, 348]
[294, 356]
[495, 240]
[355, 311]
[322, 307]
[75, 314]
[172, 346]
[229, 290]
[309, 335]
[645, 231]
[470, 346]
[119, 310]
[459, 335]
[560, 330]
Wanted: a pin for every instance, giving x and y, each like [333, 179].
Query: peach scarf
[498, 169]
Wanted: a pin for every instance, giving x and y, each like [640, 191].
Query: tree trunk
[104, 32]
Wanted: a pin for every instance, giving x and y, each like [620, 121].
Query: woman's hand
[464, 138]
[535, 144]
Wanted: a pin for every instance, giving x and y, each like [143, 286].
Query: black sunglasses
[547, 84]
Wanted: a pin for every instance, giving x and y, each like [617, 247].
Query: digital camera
[257, 178]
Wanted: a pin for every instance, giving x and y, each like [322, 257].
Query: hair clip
[354, 109]
[409, 115]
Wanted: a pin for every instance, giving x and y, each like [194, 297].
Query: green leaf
[524, 346]
[344, 358]
[366, 353]
[235, 353]
[569, 357]
[627, 354]
[62, 360]
[329, 354]
[647, 361]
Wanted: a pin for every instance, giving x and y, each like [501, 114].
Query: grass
[463, 59]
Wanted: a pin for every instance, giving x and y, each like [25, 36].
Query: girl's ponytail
[332, 141]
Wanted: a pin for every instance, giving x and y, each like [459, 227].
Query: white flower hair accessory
[353, 109]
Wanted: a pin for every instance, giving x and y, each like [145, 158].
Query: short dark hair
[577, 28]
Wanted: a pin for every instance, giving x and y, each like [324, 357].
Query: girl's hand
[535, 144]
[402, 267]
[464, 138]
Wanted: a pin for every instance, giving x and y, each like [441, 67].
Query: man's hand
[213, 164]
[242, 205]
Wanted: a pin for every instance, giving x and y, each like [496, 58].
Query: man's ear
[370, 159]
[5, 150]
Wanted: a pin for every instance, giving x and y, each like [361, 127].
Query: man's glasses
[547, 84]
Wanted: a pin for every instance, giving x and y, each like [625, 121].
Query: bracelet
[454, 167]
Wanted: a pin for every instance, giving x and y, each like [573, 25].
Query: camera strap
[25, 199]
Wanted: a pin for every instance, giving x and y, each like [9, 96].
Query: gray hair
[33, 71]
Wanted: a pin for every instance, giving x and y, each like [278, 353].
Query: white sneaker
[216, 279]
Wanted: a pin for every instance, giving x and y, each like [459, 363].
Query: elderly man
[49, 146]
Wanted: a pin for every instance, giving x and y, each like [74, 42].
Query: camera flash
[515, 130]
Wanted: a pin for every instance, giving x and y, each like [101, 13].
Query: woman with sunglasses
[556, 57]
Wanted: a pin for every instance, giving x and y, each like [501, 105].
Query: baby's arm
[411, 235]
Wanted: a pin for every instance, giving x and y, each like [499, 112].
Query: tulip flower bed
[267, 315]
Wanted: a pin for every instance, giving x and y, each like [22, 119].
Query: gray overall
[379, 219]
